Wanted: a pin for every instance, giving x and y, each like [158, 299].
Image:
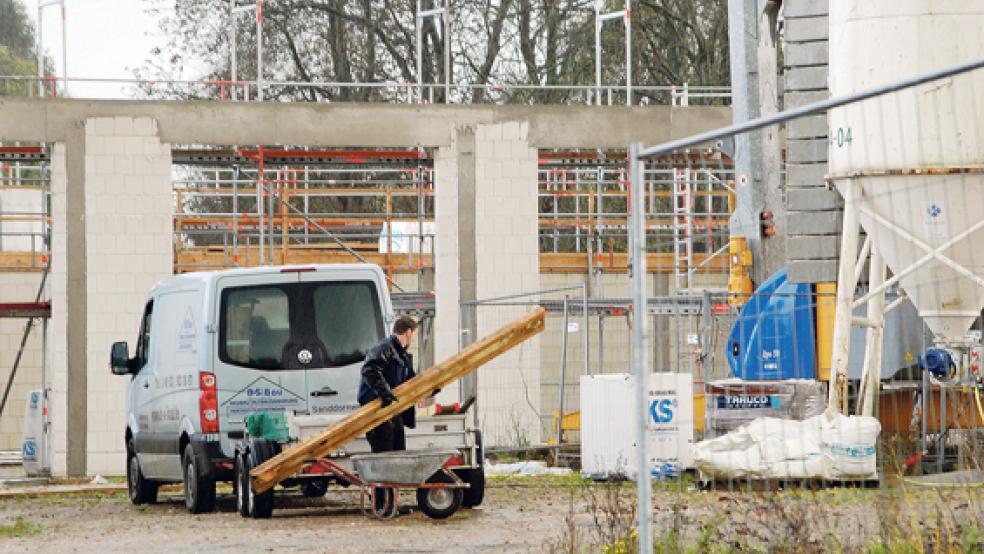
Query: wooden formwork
[290, 461]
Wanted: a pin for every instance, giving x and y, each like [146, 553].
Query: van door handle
[146, 384]
[325, 391]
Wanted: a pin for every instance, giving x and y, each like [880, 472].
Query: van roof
[209, 276]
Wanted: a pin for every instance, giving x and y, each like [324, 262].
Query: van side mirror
[119, 358]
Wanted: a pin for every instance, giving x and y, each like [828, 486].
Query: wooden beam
[367, 417]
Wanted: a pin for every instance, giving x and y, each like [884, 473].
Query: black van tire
[242, 485]
[259, 451]
[140, 489]
[439, 503]
[475, 493]
[199, 488]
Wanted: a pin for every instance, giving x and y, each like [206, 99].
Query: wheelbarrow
[381, 477]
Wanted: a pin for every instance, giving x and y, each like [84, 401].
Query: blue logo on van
[662, 409]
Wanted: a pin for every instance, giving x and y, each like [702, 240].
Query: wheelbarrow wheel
[439, 503]
[314, 489]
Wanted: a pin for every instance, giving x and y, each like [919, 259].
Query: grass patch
[19, 528]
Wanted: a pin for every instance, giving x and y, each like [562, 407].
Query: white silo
[909, 164]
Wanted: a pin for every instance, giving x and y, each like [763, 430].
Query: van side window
[255, 326]
[143, 341]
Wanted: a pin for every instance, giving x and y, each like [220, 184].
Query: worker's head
[404, 329]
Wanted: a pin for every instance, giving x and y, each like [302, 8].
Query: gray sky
[106, 38]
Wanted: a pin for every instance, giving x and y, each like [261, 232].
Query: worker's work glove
[387, 398]
[436, 392]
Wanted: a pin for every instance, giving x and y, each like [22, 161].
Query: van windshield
[329, 324]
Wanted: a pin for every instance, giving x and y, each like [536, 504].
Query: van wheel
[242, 485]
[475, 493]
[199, 489]
[314, 488]
[259, 450]
[140, 489]
[439, 503]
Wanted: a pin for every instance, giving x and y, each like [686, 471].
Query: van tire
[199, 489]
[242, 485]
[260, 505]
[140, 489]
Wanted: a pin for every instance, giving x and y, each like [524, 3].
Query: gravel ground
[531, 514]
[516, 517]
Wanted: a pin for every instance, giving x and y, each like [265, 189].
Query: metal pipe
[259, 50]
[628, 52]
[933, 253]
[419, 23]
[563, 380]
[845, 296]
[64, 49]
[587, 323]
[865, 251]
[447, 52]
[808, 109]
[639, 348]
[40, 53]
[234, 73]
[871, 370]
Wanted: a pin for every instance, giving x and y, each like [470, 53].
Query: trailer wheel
[199, 489]
[439, 503]
[314, 488]
[259, 505]
[475, 493]
[140, 489]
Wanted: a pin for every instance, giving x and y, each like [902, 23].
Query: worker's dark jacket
[387, 365]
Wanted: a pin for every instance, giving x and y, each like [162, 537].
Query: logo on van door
[187, 334]
[260, 396]
[305, 356]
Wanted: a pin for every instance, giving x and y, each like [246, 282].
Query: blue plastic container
[775, 336]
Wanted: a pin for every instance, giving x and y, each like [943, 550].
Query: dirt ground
[515, 517]
[520, 514]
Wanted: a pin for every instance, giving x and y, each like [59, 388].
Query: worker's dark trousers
[388, 436]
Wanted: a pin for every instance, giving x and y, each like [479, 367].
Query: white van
[215, 347]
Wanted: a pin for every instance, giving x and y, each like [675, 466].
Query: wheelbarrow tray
[404, 467]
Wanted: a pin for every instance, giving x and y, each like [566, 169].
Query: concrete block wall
[125, 223]
[446, 278]
[18, 287]
[507, 256]
[128, 239]
[813, 212]
[58, 327]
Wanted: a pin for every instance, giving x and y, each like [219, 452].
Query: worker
[387, 365]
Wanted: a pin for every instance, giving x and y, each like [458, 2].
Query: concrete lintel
[350, 124]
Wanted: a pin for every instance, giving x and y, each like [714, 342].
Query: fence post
[563, 379]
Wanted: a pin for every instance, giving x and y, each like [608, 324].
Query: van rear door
[349, 319]
[255, 317]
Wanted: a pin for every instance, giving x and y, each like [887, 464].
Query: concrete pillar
[446, 259]
[111, 242]
[507, 262]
